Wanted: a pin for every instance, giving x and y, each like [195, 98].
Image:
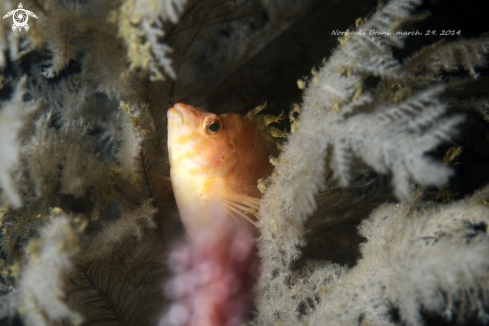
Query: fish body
[215, 163]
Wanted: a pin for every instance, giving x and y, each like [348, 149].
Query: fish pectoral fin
[241, 201]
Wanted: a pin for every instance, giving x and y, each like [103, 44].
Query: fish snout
[183, 113]
[176, 113]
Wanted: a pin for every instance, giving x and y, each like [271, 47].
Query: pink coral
[212, 280]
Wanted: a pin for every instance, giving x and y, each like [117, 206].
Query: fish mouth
[176, 114]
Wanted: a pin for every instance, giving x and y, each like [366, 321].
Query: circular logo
[20, 17]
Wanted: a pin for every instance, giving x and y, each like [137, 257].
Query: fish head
[215, 163]
[204, 143]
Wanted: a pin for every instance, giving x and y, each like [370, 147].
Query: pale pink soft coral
[212, 280]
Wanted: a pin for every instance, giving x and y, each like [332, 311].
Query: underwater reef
[376, 212]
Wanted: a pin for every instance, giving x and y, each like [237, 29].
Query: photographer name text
[374, 32]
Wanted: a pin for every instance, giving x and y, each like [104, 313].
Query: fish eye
[212, 126]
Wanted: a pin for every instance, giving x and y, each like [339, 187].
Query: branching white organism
[84, 99]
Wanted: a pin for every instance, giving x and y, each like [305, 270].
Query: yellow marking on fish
[188, 138]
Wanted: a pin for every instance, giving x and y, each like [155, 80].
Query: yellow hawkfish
[216, 161]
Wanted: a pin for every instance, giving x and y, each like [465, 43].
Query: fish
[216, 161]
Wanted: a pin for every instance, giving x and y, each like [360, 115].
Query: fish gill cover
[376, 212]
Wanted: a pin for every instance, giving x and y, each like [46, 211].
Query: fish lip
[174, 112]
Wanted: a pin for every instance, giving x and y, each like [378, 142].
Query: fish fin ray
[241, 200]
[237, 211]
[242, 208]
